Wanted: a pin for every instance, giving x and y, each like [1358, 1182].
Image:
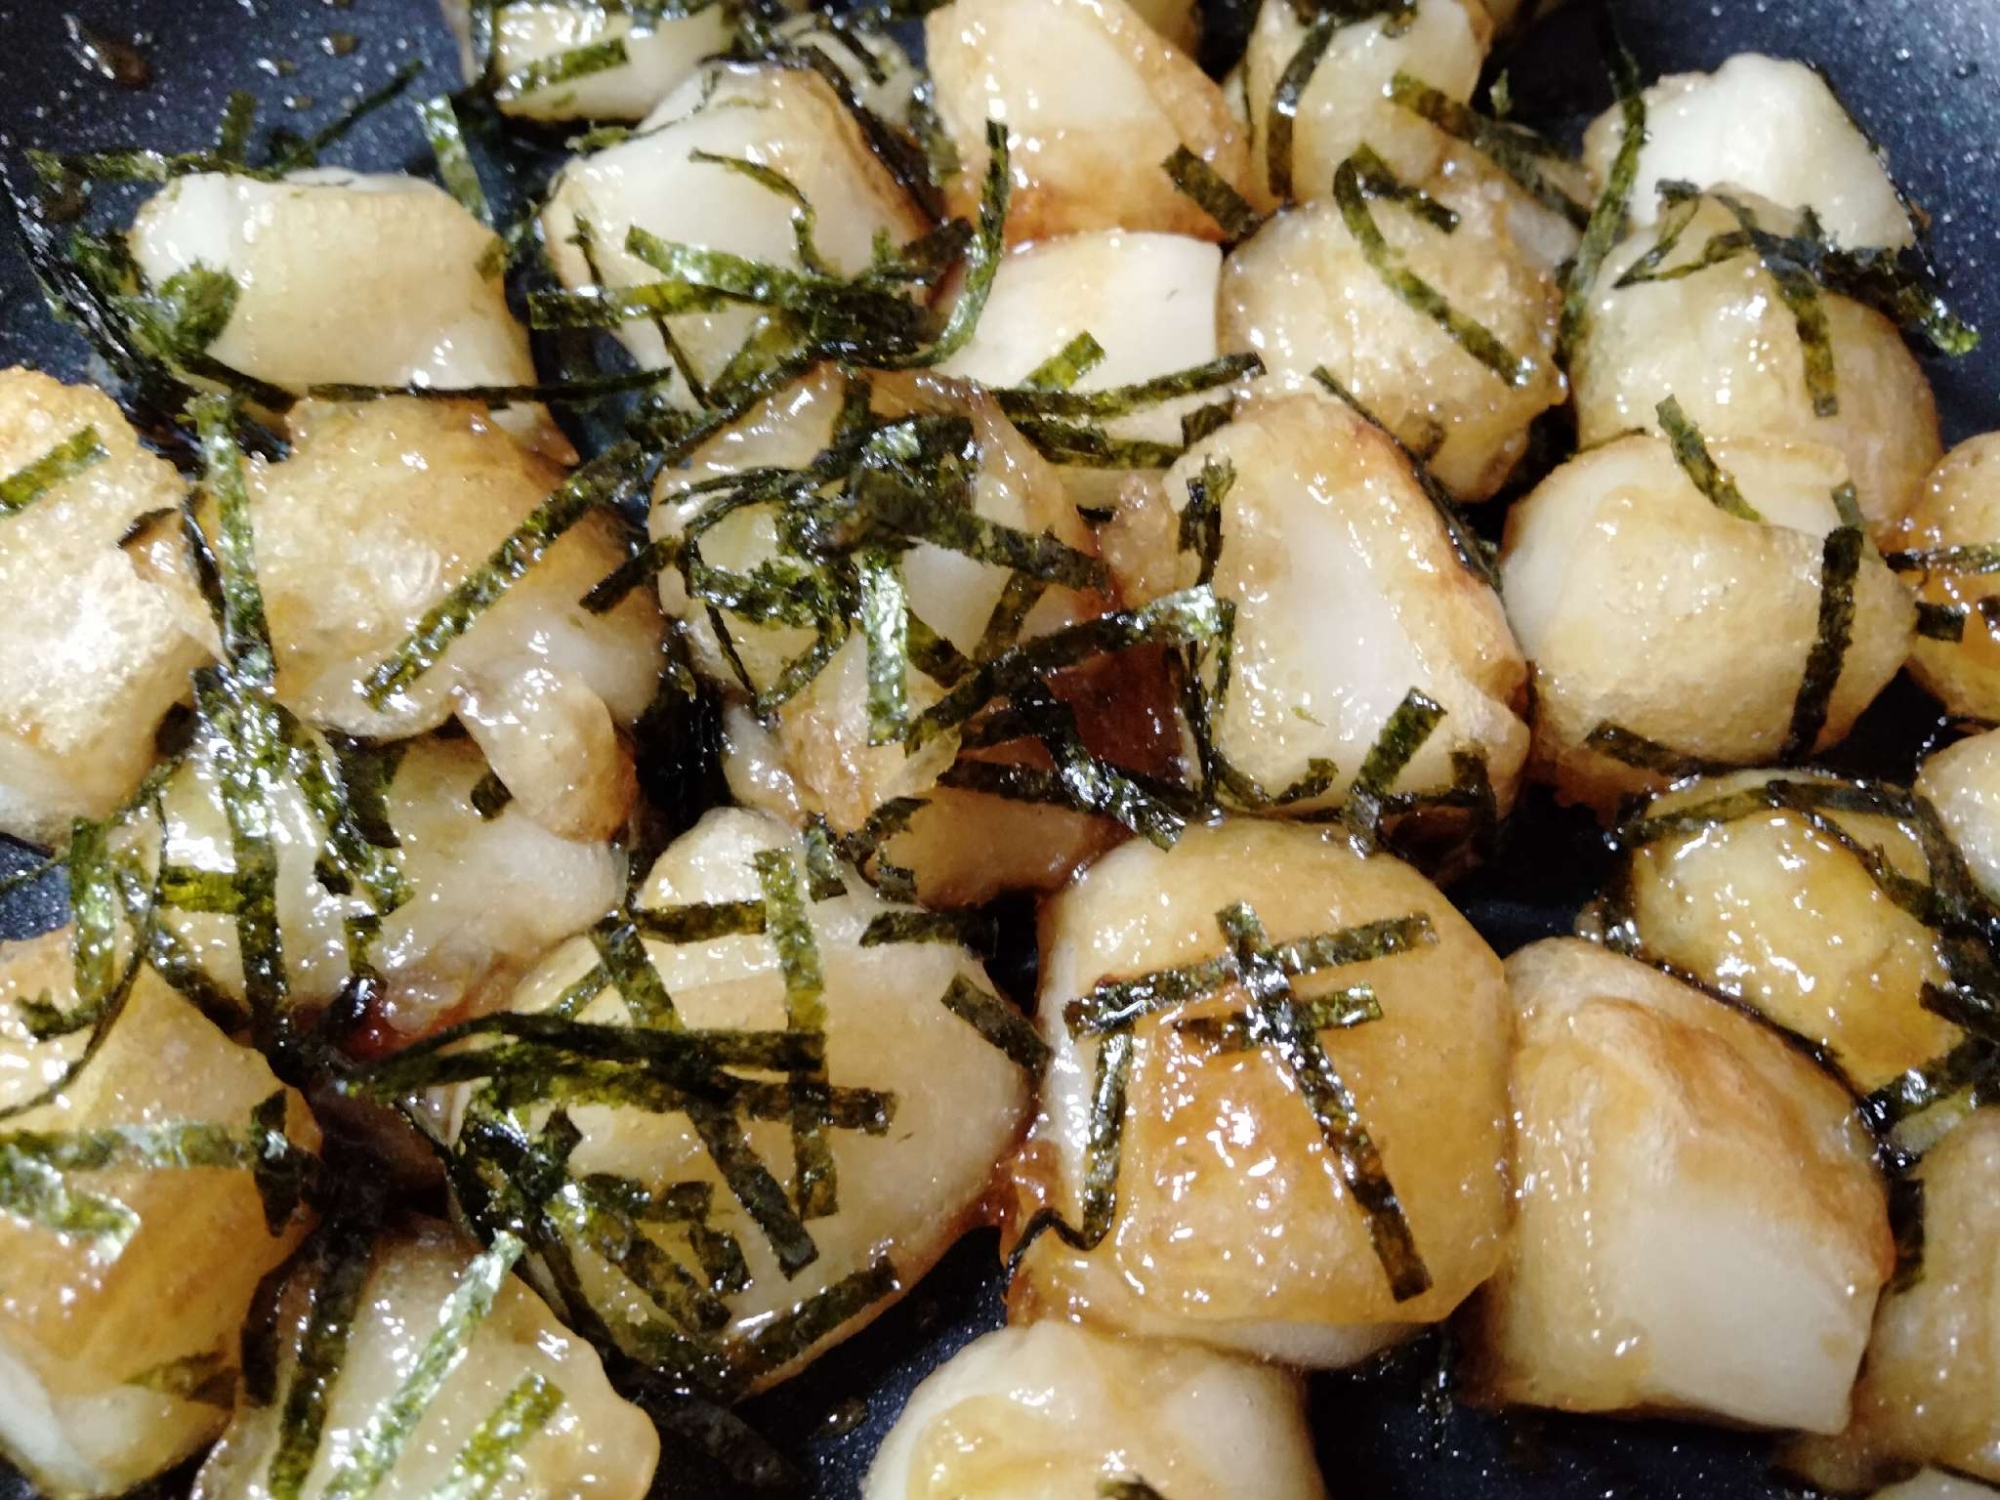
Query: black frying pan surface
[1923, 76]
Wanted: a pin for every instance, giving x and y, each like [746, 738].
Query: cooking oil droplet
[299, 101]
[277, 67]
[115, 61]
[339, 43]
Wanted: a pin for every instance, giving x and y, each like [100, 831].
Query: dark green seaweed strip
[184, 888]
[341, 1254]
[247, 750]
[232, 131]
[1353, 1006]
[884, 613]
[804, 219]
[1917, 1089]
[479, 1466]
[1473, 337]
[246, 637]
[997, 1021]
[597, 483]
[1069, 364]
[1840, 562]
[454, 162]
[1692, 454]
[207, 1379]
[306, 152]
[1086, 445]
[983, 255]
[565, 67]
[1213, 194]
[93, 899]
[59, 465]
[490, 796]
[369, 1462]
[358, 844]
[577, 996]
[1127, 1489]
[816, 1183]
[823, 880]
[641, 567]
[701, 922]
[1276, 1021]
[762, 1197]
[1176, 619]
[1122, 400]
[36, 1193]
[1629, 747]
[1103, 1145]
[788, 1336]
[1517, 152]
[1800, 290]
[1970, 559]
[1940, 622]
[661, 1279]
[1362, 943]
[1285, 98]
[1607, 214]
[964, 929]
[1406, 732]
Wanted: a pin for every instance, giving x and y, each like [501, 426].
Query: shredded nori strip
[762, 1197]
[1800, 291]
[454, 161]
[1628, 747]
[340, 1254]
[1607, 214]
[369, 1462]
[1353, 1006]
[565, 67]
[1275, 1021]
[964, 929]
[1118, 401]
[1213, 194]
[641, 567]
[1517, 152]
[207, 1379]
[788, 1336]
[490, 796]
[1352, 187]
[246, 638]
[1692, 454]
[306, 152]
[1116, 1004]
[59, 465]
[1069, 364]
[1405, 732]
[1969, 559]
[617, 1238]
[815, 1183]
[1285, 98]
[599, 482]
[884, 610]
[1840, 562]
[1176, 619]
[1127, 1489]
[524, 1411]
[997, 1021]
[1940, 622]
[701, 922]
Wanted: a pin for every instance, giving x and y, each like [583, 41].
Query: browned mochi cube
[1227, 1019]
[124, 1275]
[424, 1288]
[1700, 1226]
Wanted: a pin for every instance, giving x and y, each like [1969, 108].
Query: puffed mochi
[923, 1105]
[306, 251]
[1771, 125]
[1945, 547]
[98, 639]
[1350, 591]
[1345, 103]
[814, 753]
[1094, 101]
[379, 512]
[421, 1283]
[672, 178]
[1930, 1388]
[1700, 1227]
[1649, 611]
[1774, 907]
[93, 1328]
[1233, 1223]
[1303, 295]
[1050, 1408]
[1720, 338]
